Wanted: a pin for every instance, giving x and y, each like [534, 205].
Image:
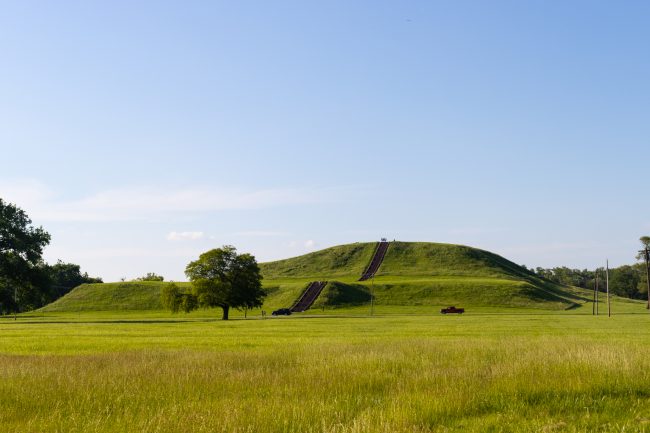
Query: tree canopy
[626, 280]
[645, 241]
[220, 278]
[21, 249]
[151, 276]
[26, 281]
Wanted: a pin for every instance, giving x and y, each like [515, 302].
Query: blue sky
[141, 135]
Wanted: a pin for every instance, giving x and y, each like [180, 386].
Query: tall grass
[390, 374]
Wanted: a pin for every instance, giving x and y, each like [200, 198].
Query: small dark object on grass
[452, 310]
[282, 312]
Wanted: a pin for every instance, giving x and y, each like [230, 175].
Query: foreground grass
[483, 372]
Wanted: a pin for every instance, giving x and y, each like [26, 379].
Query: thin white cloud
[80, 254]
[26, 194]
[124, 204]
[184, 236]
[260, 233]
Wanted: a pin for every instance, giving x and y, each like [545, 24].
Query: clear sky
[140, 134]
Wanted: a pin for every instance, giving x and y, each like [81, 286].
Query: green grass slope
[417, 275]
[435, 259]
[142, 295]
[439, 292]
[341, 261]
[347, 262]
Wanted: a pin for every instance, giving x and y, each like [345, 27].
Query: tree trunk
[225, 312]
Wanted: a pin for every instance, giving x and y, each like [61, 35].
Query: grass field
[485, 371]
[528, 356]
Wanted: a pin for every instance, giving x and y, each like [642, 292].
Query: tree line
[629, 281]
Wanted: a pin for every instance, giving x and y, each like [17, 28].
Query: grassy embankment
[93, 372]
[417, 277]
[424, 274]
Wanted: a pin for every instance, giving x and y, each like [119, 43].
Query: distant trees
[564, 275]
[624, 281]
[627, 280]
[151, 276]
[220, 278]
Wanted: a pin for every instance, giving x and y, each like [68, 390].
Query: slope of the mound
[143, 295]
[402, 259]
[335, 262]
[137, 295]
[435, 259]
[443, 291]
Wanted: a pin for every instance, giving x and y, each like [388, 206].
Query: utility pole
[596, 293]
[609, 306]
[372, 296]
[646, 255]
[593, 303]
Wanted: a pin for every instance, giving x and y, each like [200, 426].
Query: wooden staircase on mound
[376, 261]
[308, 297]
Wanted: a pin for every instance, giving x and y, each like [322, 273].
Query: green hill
[434, 259]
[413, 274]
[335, 262]
[402, 259]
[140, 295]
[417, 274]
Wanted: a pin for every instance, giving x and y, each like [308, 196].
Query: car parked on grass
[282, 312]
[452, 310]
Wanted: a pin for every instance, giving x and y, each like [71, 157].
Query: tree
[151, 276]
[21, 250]
[645, 241]
[624, 281]
[175, 300]
[222, 278]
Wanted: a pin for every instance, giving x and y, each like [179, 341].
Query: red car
[452, 310]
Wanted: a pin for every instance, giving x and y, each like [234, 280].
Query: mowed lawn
[112, 372]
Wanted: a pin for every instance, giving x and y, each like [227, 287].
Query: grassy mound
[413, 274]
[417, 274]
[142, 295]
[402, 259]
